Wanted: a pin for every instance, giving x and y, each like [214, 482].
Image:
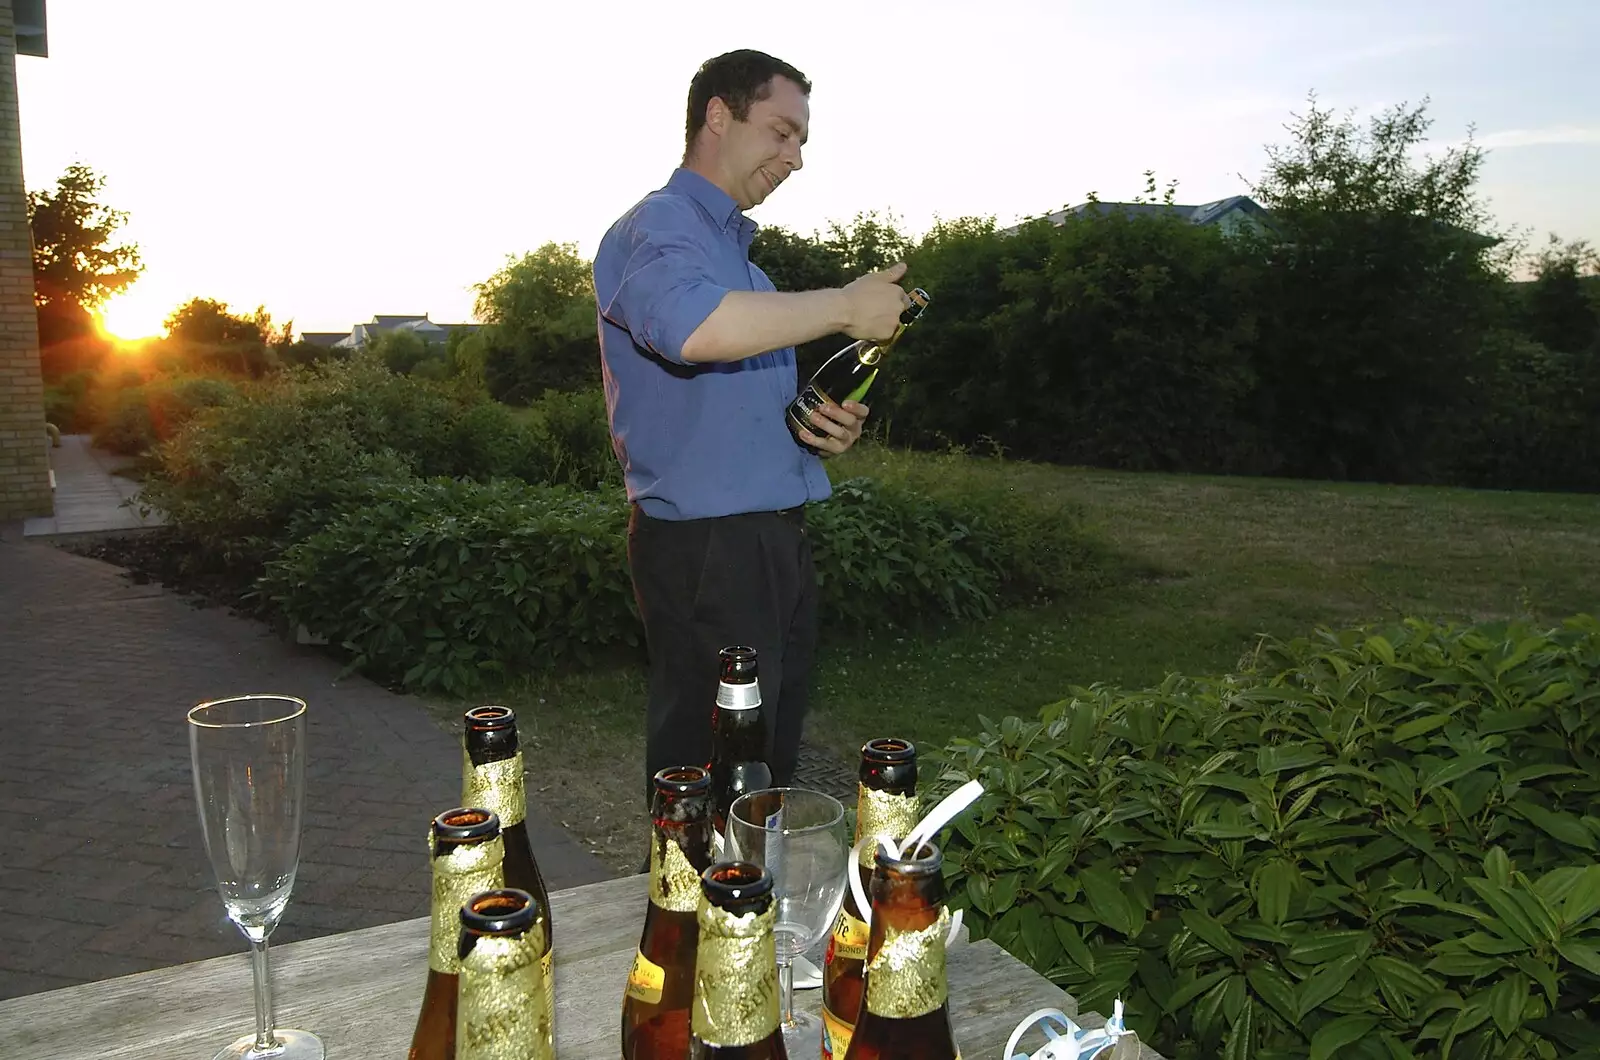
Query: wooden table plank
[359, 991]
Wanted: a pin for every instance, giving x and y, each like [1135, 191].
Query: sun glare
[131, 318]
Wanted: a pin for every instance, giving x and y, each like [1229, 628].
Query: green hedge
[445, 584]
[1364, 844]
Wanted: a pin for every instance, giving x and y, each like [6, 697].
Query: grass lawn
[1203, 566]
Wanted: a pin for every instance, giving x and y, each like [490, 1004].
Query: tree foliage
[1559, 307]
[74, 258]
[540, 325]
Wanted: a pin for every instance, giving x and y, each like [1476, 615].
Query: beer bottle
[492, 778]
[886, 804]
[467, 855]
[738, 734]
[735, 1014]
[655, 1005]
[905, 1011]
[502, 1014]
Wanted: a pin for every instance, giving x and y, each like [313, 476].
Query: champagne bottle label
[465, 871]
[804, 403]
[494, 1021]
[674, 883]
[836, 1035]
[735, 978]
[906, 977]
[498, 787]
[646, 980]
[881, 813]
[738, 697]
[850, 936]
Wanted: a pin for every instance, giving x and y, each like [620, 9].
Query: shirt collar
[718, 203]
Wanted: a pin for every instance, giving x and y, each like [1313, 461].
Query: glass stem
[786, 984]
[258, 966]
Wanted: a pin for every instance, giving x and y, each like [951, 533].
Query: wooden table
[360, 991]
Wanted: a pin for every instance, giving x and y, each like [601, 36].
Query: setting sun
[130, 317]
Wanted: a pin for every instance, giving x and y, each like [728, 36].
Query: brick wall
[24, 456]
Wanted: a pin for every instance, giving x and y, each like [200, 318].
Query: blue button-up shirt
[695, 440]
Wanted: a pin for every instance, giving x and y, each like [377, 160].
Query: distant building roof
[1209, 213]
[323, 338]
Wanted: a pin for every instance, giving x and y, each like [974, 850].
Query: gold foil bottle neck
[457, 876]
[881, 813]
[501, 1014]
[906, 977]
[674, 882]
[735, 977]
[497, 787]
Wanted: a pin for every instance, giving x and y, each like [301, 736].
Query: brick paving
[104, 873]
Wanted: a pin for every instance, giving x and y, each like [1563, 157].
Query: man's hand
[875, 303]
[835, 428]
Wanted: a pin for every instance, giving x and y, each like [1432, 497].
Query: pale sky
[334, 159]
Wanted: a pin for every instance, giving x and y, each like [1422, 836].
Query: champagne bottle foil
[735, 978]
[497, 786]
[906, 977]
[883, 813]
[457, 876]
[495, 1020]
[674, 882]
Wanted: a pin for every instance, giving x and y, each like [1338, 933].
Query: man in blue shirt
[697, 355]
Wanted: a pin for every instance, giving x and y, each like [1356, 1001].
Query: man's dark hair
[740, 78]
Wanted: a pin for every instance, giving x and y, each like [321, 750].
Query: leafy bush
[1533, 422]
[1386, 837]
[67, 404]
[132, 420]
[443, 584]
[888, 554]
[575, 437]
[276, 463]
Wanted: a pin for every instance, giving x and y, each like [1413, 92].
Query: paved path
[88, 497]
[103, 872]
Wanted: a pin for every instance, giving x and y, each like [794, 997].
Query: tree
[75, 269]
[1558, 309]
[539, 317]
[74, 261]
[1381, 278]
[204, 330]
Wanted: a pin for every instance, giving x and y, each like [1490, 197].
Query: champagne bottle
[502, 1013]
[735, 1013]
[886, 805]
[491, 777]
[655, 1005]
[738, 736]
[468, 856]
[848, 374]
[905, 1014]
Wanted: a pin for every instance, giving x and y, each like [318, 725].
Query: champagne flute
[248, 756]
[799, 836]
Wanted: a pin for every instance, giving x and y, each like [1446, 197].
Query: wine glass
[249, 759]
[799, 836]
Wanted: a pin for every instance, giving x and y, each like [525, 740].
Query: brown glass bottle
[655, 1005]
[467, 855]
[492, 778]
[905, 1011]
[738, 734]
[502, 1012]
[735, 1013]
[886, 804]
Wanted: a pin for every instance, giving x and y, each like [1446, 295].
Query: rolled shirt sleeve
[666, 288]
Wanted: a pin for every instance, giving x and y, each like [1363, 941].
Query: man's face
[760, 152]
